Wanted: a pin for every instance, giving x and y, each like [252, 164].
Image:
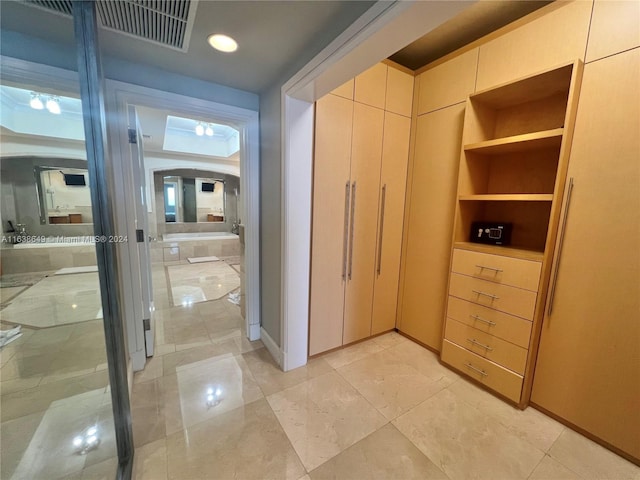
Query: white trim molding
[119, 95]
[272, 346]
[382, 30]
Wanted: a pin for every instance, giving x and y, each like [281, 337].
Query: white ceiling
[275, 38]
[272, 37]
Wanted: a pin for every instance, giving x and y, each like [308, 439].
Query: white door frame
[119, 95]
[381, 31]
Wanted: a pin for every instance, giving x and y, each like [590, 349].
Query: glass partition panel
[56, 418]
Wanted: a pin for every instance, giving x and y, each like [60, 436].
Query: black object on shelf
[491, 233]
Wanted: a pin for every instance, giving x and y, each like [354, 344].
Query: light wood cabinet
[517, 138]
[556, 35]
[371, 86]
[395, 153]
[448, 83]
[345, 90]
[588, 365]
[331, 171]
[615, 27]
[399, 93]
[361, 154]
[366, 157]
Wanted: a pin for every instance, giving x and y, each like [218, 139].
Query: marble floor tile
[530, 425]
[171, 361]
[199, 282]
[324, 416]
[550, 469]
[350, 354]
[152, 370]
[423, 360]
[51, 453]
[202, 390]
[390, 339]
[385, 454]
[272, 379]
[245, 443]
[7, 293]
[38, 399]
[465, 442]
[18, 384]
[390, 384]
[147, 413]
[589, 460]
[56, 300]
[150, 461]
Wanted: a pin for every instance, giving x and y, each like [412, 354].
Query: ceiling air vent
[167, 22]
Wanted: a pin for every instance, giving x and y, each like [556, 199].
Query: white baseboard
[138, 360]
[255, 332]
[272, 346]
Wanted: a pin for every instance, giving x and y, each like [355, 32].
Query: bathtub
[182, 237]
[59, 241]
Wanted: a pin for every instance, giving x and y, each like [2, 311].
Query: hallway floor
[211, 405]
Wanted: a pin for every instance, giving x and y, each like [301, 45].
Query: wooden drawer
[496, 268]
[515, 301]
[484, 371]
[507, 327]
[493, 348]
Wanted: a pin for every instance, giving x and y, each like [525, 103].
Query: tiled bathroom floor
[212, 405]
[381, 409]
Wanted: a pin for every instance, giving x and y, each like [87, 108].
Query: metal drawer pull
[494, 297]
[345, 239]
[480, 319]
[481, 372]
[482, 345]
[554, 271]
[382, 205]
[353, 215]
[482, 267]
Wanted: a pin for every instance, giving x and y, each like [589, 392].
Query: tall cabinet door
[395, 153]
[331, 192]
[430, 224]
[366, 156]
[588, 367]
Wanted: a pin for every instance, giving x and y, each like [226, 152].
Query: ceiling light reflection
[88, 440]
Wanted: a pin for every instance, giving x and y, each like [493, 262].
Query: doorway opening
[198, 179]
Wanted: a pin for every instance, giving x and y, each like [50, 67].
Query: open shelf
[518, 143]
[507, 251]
[517, 197]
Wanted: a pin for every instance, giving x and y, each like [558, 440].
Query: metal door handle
[493, 297]
[353, 210]
[480, 319]
[382, 205]
[482, 345]
[345, 230]
[554, 281]
[475, 369]
[483, 267]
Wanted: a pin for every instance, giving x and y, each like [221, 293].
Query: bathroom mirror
[193, 199]
[63, 195]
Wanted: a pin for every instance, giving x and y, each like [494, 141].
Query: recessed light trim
[222, 43]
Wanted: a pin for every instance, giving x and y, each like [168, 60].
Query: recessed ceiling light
[36, 101]
[222, 43]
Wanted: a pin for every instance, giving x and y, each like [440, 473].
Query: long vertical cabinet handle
[347, 190]
[382, 204]
[353, 209]
[554, 281]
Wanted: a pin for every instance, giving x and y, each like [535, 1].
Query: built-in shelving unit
[518, 143]
[513, 197]
[513, 167]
